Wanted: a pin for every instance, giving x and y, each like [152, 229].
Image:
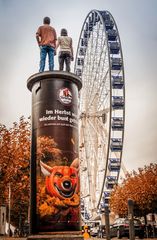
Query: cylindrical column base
[58, 236]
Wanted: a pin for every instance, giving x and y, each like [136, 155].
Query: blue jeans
[44, 50]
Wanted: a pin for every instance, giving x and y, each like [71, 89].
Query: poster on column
[57, 164]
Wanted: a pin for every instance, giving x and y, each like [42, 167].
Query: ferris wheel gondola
[99, 63]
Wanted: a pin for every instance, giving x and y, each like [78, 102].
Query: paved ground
[12, 238]
[123, 238]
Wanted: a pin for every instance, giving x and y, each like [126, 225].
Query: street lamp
[9, 205]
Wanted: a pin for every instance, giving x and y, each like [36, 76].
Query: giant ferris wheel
[99, 63]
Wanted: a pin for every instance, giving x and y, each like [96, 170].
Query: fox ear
[46, 170]
[75, 163]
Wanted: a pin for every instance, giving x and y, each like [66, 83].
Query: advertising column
[55, 185]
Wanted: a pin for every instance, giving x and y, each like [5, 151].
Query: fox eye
[57, 174]
[73, 175]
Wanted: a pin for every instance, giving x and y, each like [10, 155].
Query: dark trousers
[64, 57]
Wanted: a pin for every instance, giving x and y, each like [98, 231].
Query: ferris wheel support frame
[92, 20]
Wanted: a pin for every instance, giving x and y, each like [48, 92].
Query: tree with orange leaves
[14, 168]
[47, 150]
[139, 186]
[15, 165]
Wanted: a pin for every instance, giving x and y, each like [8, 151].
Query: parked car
[120, 228]
[102, 231]
[26, 229]
[94, 231]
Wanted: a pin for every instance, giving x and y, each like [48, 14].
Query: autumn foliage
[51, 204]
[48, 151]
[139, 186]
[14, 168]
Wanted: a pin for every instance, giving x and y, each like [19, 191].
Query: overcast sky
[137, 24]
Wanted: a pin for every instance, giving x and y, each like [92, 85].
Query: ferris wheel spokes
[99, 62]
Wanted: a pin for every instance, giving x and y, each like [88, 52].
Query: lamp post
[107, 223]
[9, 204]
[131, 219]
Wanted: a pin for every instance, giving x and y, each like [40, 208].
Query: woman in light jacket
[66, 50]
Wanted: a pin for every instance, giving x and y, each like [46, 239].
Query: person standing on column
[46, 37]
[66, 50]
